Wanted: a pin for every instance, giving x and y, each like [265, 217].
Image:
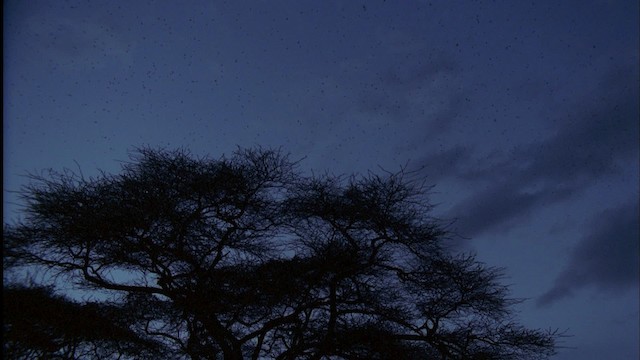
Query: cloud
[397, 96]
[418, 85]
[604, 133]
[598, 140]
[498, 207]
[406, 80]
[446, 163]
[72, 41]
[608, 258]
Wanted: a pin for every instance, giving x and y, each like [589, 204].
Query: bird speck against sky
[523, 114]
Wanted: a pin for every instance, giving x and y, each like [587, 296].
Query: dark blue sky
[524, 115]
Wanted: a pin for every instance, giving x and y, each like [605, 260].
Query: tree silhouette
[41, 325]
[245, 258]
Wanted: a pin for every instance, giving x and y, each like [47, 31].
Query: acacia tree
[41, 325]
[245, 258]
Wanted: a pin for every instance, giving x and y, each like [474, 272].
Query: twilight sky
[524, 115]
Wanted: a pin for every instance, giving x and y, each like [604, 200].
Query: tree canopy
[243, 257]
